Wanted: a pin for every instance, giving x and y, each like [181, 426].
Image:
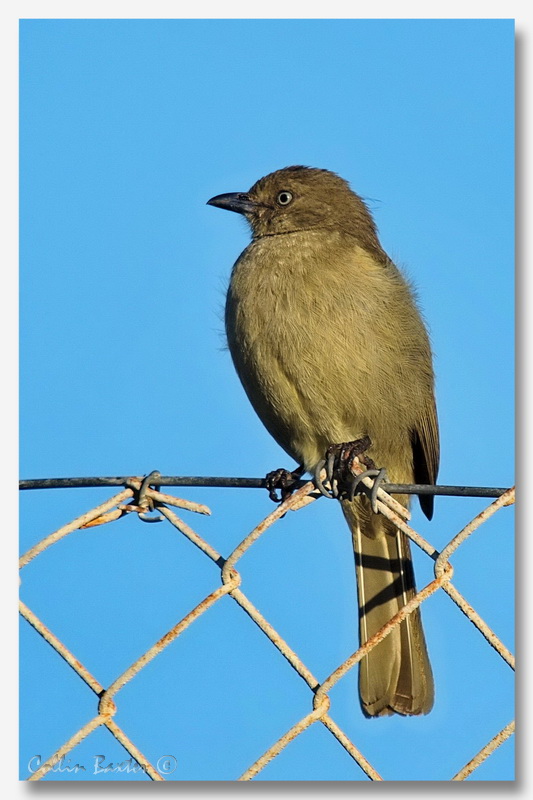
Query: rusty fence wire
[140, 498]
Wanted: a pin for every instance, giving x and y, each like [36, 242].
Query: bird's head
[298, 199]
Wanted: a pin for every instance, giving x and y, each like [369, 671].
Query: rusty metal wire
[143, 500]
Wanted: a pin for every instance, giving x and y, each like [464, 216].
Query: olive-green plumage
[330, 347]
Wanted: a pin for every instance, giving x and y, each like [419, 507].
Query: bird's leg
[353, 483]
[338, 456]
[371, 471]
[366, 461]
[284, 480]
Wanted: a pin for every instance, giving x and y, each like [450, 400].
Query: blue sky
[127, 128]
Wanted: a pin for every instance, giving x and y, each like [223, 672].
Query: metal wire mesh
[138, 497]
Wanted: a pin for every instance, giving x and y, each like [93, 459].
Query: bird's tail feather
[396, 675]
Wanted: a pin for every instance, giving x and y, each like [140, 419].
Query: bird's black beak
[234, 201]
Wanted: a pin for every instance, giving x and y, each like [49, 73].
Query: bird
[328, 341]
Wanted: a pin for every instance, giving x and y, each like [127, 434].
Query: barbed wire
[144, 499]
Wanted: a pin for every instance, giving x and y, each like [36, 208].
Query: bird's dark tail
[396, 675]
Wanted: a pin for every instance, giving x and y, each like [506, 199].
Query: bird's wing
[426, 452]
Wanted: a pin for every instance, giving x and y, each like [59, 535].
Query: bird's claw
[330, 471]
[283, 480]
[318, 480]
[341, 480]
[379, 476]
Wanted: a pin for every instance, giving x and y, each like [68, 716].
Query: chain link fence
[139, 497]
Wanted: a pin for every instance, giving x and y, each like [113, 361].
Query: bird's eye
[284, 198]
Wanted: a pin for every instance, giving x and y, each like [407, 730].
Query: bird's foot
[356, 484]
[284, 480]
[343, 483]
